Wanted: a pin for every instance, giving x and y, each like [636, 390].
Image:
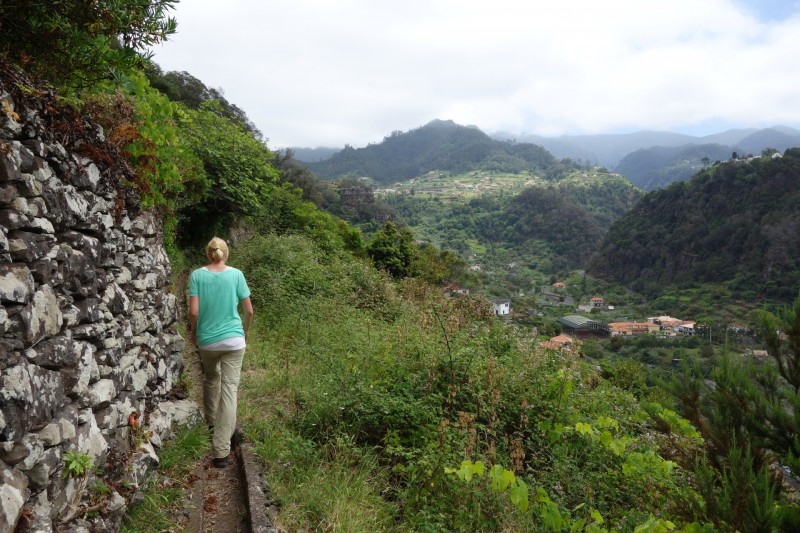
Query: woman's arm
[247, 305]
[194, 311]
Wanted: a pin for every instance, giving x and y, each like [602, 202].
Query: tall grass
[359, 392]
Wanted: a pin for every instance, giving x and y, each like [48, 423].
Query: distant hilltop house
[595, 303]
[673, 326]
[563, 340]
[475, 267]
[559, 342]
[559, 285]
[452, 289]
[632, 329]
[501, 307]
[581, 327]
[665, 321]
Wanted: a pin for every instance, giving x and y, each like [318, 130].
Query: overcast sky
[333, 72]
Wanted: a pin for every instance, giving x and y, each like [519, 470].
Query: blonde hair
[216, 250]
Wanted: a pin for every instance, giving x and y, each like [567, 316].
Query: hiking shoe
[220, 462]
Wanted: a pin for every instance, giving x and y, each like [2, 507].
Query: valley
[520, 231]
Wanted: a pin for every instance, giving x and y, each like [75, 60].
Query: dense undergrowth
[361, 393]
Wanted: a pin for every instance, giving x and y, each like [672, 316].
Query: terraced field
[445, 185]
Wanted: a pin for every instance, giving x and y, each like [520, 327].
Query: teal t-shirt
[219, 294]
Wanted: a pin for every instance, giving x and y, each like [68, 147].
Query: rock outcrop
[89, 354]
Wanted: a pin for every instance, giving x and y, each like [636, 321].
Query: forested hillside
[439, 145]
[736, 222]
[657, 167]
[555, 226]
[457, 199]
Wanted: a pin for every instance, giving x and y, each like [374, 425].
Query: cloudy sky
[333, 72]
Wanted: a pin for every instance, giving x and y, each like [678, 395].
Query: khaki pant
[221, 374]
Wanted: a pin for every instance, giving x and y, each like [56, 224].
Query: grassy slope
[358, 394]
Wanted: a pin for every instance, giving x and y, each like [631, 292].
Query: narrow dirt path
[218, 499]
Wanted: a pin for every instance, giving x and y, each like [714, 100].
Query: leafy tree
[185, 88]
[393, 250]
[240, 169]
[314, 190]
[77, 43]
[437, 266]
[202, 168]
[283, 211]
[358, 205]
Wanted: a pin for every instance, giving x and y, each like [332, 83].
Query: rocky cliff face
[89, 355]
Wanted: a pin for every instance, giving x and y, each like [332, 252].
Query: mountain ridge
[608, 149]
[612, 151]
[440, 145]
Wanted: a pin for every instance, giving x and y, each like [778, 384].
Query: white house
[501, 307]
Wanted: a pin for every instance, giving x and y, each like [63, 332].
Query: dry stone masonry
[89, 355]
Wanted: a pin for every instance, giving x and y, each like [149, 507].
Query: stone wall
[89, 354]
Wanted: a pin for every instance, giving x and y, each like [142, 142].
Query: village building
[671, 326]
[581, 327]
[666, 321]
[563, 340]
[559, 343]
[501, 307]
[598, 301]
[632, 329]
[452, 289]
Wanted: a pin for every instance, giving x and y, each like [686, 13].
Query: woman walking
[220, 335]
